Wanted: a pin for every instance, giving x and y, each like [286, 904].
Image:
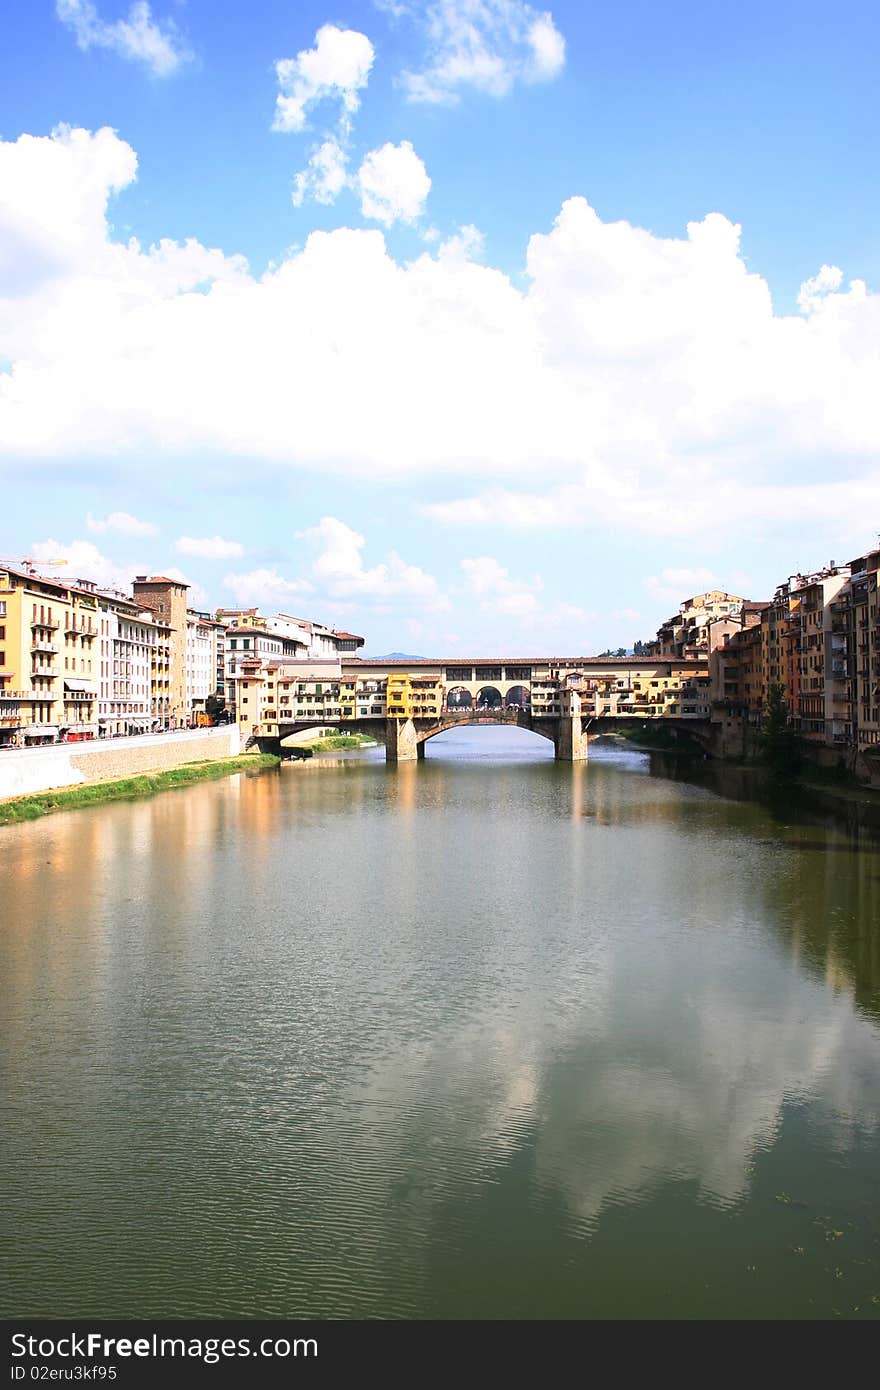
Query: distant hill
[396, 656]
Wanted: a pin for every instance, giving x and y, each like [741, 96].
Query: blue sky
[570, 313]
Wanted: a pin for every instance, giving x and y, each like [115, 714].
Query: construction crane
[29, 565]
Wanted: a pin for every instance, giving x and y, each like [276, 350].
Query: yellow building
[48, 661]
[397, 694]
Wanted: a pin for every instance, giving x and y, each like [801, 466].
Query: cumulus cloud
[496, 592]
[627, 379]
[338, 567]
[336, 69]
[325, 176]
[83, 560]
[394, 184]
[485, 44]
[209, 547]
[266, 587]
[139, 37]
[122, 523]
[337, 573]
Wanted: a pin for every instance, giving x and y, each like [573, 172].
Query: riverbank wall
[28, 770]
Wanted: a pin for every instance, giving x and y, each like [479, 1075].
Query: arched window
[489, 698]
[459, 698]
[518, 697]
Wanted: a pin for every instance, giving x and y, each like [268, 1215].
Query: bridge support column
[420, 750]
[400, 741]
[571, 740]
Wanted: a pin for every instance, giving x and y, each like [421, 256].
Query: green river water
[486, 1036]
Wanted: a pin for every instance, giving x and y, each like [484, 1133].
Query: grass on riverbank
[338, 742]
[23, 808]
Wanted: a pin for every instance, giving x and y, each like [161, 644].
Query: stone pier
[571, 740]
[401, 745]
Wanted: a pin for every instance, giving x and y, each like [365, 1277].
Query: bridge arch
[473, 718]
[459, 698]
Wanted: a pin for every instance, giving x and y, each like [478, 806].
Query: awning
[80, 686]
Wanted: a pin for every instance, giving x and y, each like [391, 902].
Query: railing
[50, 627]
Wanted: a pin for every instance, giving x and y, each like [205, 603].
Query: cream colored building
[48, 660]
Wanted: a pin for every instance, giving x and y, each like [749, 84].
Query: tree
[780, 749]
[213, 706]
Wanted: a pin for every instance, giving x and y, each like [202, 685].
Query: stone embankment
[28, 770]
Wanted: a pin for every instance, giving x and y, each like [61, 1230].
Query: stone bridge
[403, 702]
[405, 739]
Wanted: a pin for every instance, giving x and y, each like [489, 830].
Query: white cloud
[631, 380]
[266, 587]
[485, 44]
[394, 184]
[209, 547]
[548, 49]
[85, 561]
[138, 36]
[338, 568]
[812, 291]
[491, 590]
[467, 244]
[496, 592]
[325, 177]
[336, 69]
[123, 523]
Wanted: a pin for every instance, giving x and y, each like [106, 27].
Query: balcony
[39, 644]
[46, 626]
[16, 695]
[48, 673]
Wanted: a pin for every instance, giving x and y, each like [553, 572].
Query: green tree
[780, 748]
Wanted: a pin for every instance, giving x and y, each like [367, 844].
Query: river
[487, 1036]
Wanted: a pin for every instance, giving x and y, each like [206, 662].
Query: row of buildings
[277, 696]
[79, 662]
[818, 641]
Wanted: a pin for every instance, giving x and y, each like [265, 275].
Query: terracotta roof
[566, 661]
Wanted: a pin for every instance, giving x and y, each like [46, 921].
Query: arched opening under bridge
[481, 743]
[518, 697]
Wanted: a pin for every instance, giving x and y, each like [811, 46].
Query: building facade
[166, 600]
[48, 660]
[201, 662]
